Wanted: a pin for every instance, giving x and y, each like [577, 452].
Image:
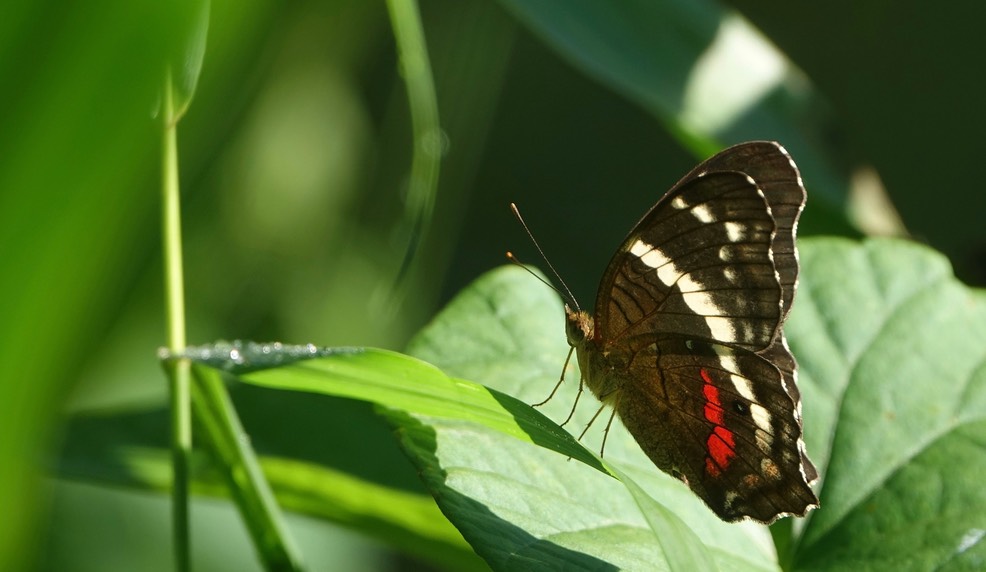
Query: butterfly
[687, 343]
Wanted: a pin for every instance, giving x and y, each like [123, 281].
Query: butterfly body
[686, 342]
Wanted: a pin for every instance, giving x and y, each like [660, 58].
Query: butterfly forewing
[699, 262]
[687, 342]
[770, 165]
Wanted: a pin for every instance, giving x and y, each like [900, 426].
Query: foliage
[295, 155]
[898, 435]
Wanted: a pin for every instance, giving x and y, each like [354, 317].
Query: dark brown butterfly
[686, 343]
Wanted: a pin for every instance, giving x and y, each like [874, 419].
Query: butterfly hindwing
[779, 355]
[736, 443]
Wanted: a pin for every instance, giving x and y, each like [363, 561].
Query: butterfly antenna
[515, 260]
[567, 293]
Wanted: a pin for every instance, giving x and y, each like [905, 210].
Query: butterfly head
[579, 327]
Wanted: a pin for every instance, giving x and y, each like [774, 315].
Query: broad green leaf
[407, 384]
[893, 355]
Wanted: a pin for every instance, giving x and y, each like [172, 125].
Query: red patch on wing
[705, 376]
[713, 408]
[720, 444]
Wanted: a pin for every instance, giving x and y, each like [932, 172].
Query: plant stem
[180, 373]
[222, 432]
[427, 133]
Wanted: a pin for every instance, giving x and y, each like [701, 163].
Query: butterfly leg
[606, 432]
[593, 420]
[575, 405]
[609, 423]
[568, 358]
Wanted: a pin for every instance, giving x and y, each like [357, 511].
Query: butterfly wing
[699, 262]
[687, 340]
[773, 170]
[776, 174]
[735, 442]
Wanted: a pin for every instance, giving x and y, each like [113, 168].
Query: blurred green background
[294, 158]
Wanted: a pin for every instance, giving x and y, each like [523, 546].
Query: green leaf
[187, 51]
[893, 356]
[81, 80]
[407, 384]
